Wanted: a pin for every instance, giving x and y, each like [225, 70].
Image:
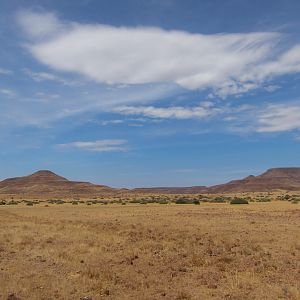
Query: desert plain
[152, 251]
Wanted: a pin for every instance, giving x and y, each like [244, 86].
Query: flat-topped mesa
[281, 172]
[45, 175]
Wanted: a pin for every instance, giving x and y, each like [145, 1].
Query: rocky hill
[273, 179]
[47, 183]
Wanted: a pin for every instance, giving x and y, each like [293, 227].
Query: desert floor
[207, 251]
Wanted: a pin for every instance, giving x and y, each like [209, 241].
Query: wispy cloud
[226, 63]
[8, 92]
[97, 146]
[44, 76]
[5, 71]
[279, 118]
[110, 122]
[175, 112]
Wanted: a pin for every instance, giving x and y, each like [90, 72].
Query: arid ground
[153, 251]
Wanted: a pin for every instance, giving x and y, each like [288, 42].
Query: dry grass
[211, 251]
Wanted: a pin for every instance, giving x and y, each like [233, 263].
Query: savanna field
[153, 251]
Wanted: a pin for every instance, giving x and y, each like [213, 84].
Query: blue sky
[149, 93]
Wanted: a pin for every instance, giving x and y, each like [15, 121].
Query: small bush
[29, 203]
[196, 202]
[183, 201]
[218, 200]
[60, 202]
[12, 202]
[239, 201]
[163, 202]
[264, 200]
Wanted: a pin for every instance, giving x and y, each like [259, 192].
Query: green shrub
[183, 200]
[239, 201]
[135, 201]
[12, 202]
[196, 202]
[264, 200]
[218, 200]
[60, 202]
[163, 202]
[29, 203]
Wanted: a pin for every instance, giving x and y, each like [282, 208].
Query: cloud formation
[5, 71]
[46, 76]
[279, 118]
[226, 63]
[97, 146]
[175, 112]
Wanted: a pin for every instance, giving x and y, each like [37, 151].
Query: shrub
[183, 201]
[2, 202]
[60, 202]
[264, 200]
[218, 200]
[29, 203]
[239, 201]
[295, 202]
[196, 202]
[12, 202]
[163, 202]
[135, 201]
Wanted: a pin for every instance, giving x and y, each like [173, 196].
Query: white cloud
[5, 71]
[40, 25]
[175, 112]
[45, 76]
[279, 118]
[8, 92]
[272, 88]
[110, 122]
[226, 63]
[98, 146]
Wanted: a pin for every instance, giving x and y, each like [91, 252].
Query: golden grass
[210, 251]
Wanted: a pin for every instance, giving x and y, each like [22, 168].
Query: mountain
[273, 179]
[46, 183]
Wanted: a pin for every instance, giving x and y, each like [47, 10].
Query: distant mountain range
[273, 179]
[47, 183]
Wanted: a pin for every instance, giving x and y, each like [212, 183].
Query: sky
[141, 93]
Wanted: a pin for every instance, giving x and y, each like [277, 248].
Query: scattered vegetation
[239, 201]
[149, 251]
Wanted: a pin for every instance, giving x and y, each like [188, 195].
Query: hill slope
[273, 179]
[47, 183]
